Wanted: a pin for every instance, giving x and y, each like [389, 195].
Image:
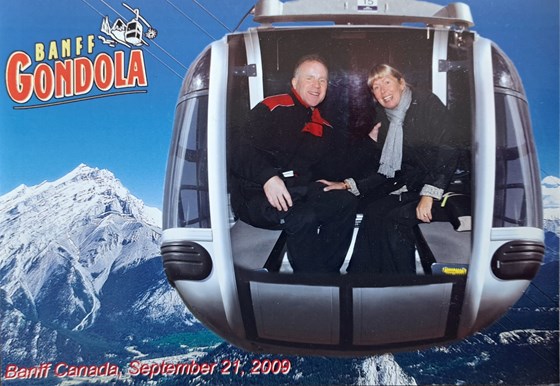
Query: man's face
[388, 90]
[310, 82]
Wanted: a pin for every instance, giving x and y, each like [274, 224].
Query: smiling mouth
[387, 98]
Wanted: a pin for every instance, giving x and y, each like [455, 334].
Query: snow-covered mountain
[375, 370]
[76, 254]
[81, 280]
[551, 204]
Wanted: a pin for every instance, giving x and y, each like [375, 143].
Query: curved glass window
[186, 202]
[518, 199]
[198, 77]
[505, 74]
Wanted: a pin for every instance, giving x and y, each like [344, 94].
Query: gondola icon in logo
[127, 33]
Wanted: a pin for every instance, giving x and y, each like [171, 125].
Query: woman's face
[388, 91]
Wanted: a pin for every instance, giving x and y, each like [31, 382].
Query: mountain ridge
[66, 246]
[81, 281]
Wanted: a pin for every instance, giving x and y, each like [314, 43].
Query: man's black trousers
[319, 225]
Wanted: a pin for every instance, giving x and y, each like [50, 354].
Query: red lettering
[18, 85]
[64, 79]
[83, 73]
[134, 368]
[136, 69]
[104, 72]
[60, 369]
[73, 77]
[11, 372]
[120, 80]
[44, 82]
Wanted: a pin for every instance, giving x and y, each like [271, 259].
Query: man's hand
[424, 209]
[277, 194]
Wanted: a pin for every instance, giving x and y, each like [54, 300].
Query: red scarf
[315, 126]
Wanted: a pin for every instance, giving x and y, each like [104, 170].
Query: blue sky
[130, 135]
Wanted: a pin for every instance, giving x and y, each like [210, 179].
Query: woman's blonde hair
[382, 70]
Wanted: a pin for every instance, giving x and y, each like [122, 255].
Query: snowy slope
[68, 246]
[81, 280]
[551, 204]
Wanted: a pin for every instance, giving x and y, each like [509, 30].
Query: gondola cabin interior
[473, 261]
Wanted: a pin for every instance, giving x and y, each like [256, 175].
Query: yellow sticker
[454, 271]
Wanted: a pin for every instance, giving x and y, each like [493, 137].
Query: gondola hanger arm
[383, 12]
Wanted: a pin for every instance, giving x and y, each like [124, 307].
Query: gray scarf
[391, 156]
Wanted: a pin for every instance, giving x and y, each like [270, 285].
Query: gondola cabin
[472, 264]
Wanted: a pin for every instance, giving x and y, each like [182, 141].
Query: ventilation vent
[186, 261]
[518, 260]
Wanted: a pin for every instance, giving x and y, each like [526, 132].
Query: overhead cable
[191, 20]
[212, 15]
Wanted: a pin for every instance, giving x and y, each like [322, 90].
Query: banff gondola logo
[69, 70]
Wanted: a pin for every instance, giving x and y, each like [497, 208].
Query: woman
[417, 162]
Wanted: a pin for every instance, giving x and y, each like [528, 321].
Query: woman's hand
[333, 185]
[424, 209]
[277, 194]
[374, 133]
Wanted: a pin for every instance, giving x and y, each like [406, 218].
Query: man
[275, 166]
